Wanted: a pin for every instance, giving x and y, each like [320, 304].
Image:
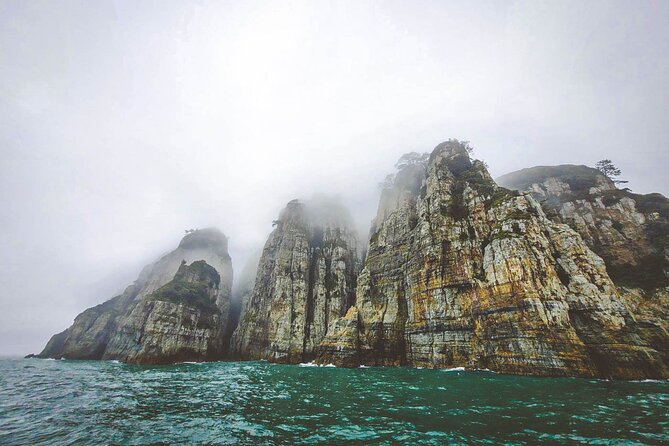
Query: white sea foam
[308, 364]
[363, 366]
[454, 369]
[313, 364]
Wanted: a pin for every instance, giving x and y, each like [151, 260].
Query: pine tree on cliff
[607, 167]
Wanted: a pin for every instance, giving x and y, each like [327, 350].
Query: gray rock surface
[179, 321]
[629, 231]
[92, 330]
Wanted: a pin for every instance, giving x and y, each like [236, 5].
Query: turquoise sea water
[86, 402]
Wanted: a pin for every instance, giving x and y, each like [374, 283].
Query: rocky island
[550, 271]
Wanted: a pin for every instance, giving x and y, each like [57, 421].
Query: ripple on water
[66, 402]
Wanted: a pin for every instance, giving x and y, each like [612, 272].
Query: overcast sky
[124, 123]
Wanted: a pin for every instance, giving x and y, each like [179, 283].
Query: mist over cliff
[126, 123]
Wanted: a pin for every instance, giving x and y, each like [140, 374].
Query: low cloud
[124, 123]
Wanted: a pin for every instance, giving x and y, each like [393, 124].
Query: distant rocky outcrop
[180, 321]
[173, 311]
[306, 278]
[462, 272]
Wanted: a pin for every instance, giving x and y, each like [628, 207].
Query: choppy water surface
[82, 402]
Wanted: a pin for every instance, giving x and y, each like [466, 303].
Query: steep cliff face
[305, 279]
[179, 321]
[629, 231]
[90, 334]
[461, 272]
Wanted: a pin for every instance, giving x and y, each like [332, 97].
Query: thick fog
[124, 123]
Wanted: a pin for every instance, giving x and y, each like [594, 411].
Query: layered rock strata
[462, 272]
[305, 279]
[629, 231]
[562, 274]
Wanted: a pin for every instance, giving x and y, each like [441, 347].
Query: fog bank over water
[123, 124]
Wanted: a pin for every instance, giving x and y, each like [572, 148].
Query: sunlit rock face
[91, 334]
[306, 278]
[462, 272]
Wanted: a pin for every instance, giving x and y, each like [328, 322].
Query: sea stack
[305, 279]
[177, 310]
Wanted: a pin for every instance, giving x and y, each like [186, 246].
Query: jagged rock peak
[198, 271]
[629, 231]
[449, 161]
[306, 278]
[451, 148]
[180, 321]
